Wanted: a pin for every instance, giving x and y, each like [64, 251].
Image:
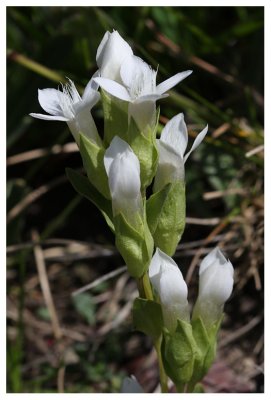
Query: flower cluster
[120, 165]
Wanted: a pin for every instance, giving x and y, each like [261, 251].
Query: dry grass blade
[33, 196]
[38, 153]
[45, 286]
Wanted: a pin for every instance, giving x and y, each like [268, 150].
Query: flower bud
[111, 53]
[172, 146]
[123, 170]
[215, 287]
[169, 285]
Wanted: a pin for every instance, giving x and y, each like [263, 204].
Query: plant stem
[145, 291]
[163, 376]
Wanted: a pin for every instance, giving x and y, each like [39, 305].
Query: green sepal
[206, 343]
[198, 388]
[179, 350]
[134, 244]
[145, 148]
[166, 216]
[147, 317]
[93, 160]
[115, 117]
[82, 185]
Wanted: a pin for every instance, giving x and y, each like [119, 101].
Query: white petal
[117, 146]
[171, 82]
[197, 142]
[112, 51]
[92, 84]
[175, 134]
[101, 49]
[113, 88]
[173, 289]
[138, 77]
[49, 117]
[170, 166]
[49, 100]
[216, 283]
[159, 258]
[209, 259]
[123, 177]
[150, 97]
[124, 181]
[132, 67]
[89, 99]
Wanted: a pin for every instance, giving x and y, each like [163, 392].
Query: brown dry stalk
[45, 286]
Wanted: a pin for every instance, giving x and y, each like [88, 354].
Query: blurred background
[57, 242]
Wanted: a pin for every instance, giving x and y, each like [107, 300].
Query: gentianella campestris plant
[123, 162]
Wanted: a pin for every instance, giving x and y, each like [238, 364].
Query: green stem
[145, 291]
[162, 373]
[180, 387]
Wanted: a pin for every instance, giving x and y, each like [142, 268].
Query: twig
[202, 221]
[33, 196]
[45, 287]
[256, 150]
[103, 278]
[241, 331]
[38, 153]
[61, 379]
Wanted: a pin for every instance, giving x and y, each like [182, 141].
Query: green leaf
[85, 306]
[147, 317]
[93, 160]
[115, 117]
[82, 185]
[166, 216]
[179, 350]
[135, 246]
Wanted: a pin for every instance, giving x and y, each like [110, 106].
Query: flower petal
[112, 51]
[117, 146]
[113, 88]
[159, 258]
[49, 117]
[170, 166]
[101, 48]
[197, 142]
[214, 255]
[132, 67]
[175, 134]
[171, 82]
[49, 100]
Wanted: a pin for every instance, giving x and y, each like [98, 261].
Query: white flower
[70, 107]
[215, 286]
[111, 52]
[123, 170]
[138, 87]
[172, 146]
[168, 283]
[139, 82]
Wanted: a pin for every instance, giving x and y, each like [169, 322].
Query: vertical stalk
[145, 291]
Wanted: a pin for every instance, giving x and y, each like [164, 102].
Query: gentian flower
[168, 283]
[215, 286]
[172, 146]
[138, 87]
[67, 105]
[123, 170]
